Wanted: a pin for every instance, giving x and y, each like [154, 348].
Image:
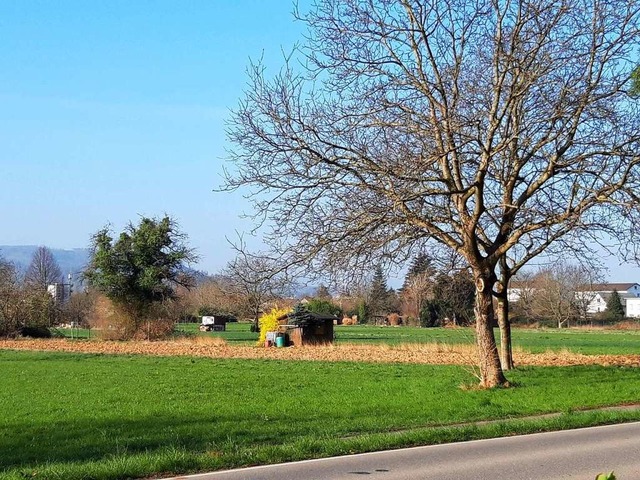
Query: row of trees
[143, 272]
[561, 295]
[26, 306]
[136, 273]
[133, 284]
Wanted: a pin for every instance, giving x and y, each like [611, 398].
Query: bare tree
[23, 309]
[213, 295]
[485, 126]
[415, 292]
[43, 269]
[10, 299]
[255, 279]
[556, 293]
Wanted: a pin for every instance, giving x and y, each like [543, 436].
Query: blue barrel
[280, 341]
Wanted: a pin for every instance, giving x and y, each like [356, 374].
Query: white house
[597, 295]
[632, 307]
[593, 297]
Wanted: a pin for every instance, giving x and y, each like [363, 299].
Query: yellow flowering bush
[269, 322]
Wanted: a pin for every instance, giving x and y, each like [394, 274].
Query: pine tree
[421, 264]
[379, 293]
[378, 284]
[615, 309]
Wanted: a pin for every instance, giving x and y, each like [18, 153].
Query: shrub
[112, 321]
[429, 314]
[319, 305]
[36, 332]
[154, 329]
[394, 319]
[606, 476]
[363, 313]
[353, 320]
[411, 321]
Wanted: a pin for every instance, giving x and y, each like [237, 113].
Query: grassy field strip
[588, 342]
[80, 416]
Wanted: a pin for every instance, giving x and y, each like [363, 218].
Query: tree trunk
[504, 322]
[490, 369]
[506, 352]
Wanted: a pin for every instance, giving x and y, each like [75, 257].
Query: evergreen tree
[363, 312]
[455, 295]
[615, 309]
[421, 264]
[323, 292]
[379, 303]
[322, 305]
[378, 284]
[141, 266]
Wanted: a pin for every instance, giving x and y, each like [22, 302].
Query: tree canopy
[256, 279]
[143, 265]
[43, 269]
[490, 127]
[615, 309]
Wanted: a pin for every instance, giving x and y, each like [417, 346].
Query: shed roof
[312, 315]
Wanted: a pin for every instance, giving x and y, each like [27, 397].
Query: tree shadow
[24, 444]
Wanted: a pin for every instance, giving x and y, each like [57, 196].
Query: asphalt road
[579, 454]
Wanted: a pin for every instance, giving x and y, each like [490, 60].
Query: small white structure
[60, 292]
[632, 307]
[213, 323]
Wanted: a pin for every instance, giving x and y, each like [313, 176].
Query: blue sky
[110, 110]
[114, 109]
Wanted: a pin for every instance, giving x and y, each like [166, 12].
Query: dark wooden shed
[308, 328]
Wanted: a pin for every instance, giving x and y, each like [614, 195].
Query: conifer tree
[615, 309]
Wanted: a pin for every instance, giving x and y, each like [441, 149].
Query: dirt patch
[435, 354]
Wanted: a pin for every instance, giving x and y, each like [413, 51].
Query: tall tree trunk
[490, 369]
[506, 351]
[504, 322]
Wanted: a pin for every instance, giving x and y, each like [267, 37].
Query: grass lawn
[70, 416]
[236, 333]
[590, 342]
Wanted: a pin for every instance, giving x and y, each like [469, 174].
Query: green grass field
[235, 334]
[590, 342]
[70, 416]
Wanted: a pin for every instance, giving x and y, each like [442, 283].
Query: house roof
[609, 287]
[623, 296]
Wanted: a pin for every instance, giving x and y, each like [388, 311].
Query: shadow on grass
[27, 444]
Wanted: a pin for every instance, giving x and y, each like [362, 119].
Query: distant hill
[70, 261]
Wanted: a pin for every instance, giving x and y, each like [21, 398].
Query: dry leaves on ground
[436, 354]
